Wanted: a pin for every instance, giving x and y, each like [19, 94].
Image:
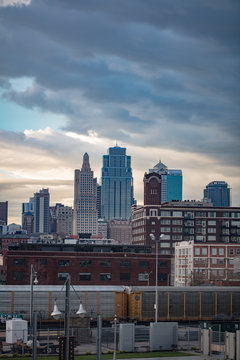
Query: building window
[204, 251]
[211, 237]
[165, 229]
[62, 275]
[125, 263]
[162, 277]
[200, 214]
[143, 264]
[85, 276]
[19, 262]
[162, 264]
[153, 212]
[197, 251]
[214, 261]
[106, 263]
[165, 222]
[177, 213]
[84, 263]
[212, 222]
[231, 251]
[125, 276]
[177, 229]
[221, 251]
[211, 230]
[177, 237]
[164, 245]
[105, 276]
[143, 276]
[177, 222]
[212, 214]
[18, 275]
[63, 263]
[165, 213]
[221, 261]
[214, 272]
[238, 251]
[214, 251]
[221, 272]
[43, 262]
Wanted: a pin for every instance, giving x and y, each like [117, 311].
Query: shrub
[88, 353]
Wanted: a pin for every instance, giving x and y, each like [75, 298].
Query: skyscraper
[3, 212]
[171, 187]
[85, 200]
[117, 184]
[41, 211]
[219, 192]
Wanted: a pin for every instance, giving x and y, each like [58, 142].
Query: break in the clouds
[157, 74]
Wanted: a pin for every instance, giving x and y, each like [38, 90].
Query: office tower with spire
[171, 184]
[41, 211]
[85, 200]
[117, 184]
[219, 192]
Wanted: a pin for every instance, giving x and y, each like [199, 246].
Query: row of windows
[214, 251]
[190, 214]
[108, 276]
[88, 263]
[22, 262]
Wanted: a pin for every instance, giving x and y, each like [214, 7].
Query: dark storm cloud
[164, 73]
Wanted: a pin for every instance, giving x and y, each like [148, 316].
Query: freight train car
[105, 300]
[128, 303]
[184, 303]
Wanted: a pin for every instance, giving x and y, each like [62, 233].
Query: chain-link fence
[85, 339]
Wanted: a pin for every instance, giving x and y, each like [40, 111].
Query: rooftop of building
[100, 248]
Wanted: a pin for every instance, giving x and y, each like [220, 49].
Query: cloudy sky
[160, 77]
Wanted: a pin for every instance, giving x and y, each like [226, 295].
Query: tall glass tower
[171, 188]
[117, 184]
[41, 211]
[219, 192]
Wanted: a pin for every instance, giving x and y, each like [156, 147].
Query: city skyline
[159, 78]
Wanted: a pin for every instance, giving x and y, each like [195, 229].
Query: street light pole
[67, 315]
[57, 314]
[115, 338]
[31, 298]
[156, 287]
[32, 282]
[152, 236]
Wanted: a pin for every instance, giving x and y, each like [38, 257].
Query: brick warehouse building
[184, 220]
[87, 265]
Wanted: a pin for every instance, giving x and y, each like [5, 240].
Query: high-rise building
[65, 220]
[171, 186]
[27, 208]
[41, 211]
[117, 184]
[28, 222]
[219, 192]
[3, 212]
[99, 201]
[85, 200]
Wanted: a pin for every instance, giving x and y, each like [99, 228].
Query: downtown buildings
[117, 185]
[219, 192]
[171, 182]
[85, 200]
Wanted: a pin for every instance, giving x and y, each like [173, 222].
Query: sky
[159, 77]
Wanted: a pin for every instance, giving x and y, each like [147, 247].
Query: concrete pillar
[238, 345]
[127, 337]
[230, 346]
[205, 341]
[163, 336]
